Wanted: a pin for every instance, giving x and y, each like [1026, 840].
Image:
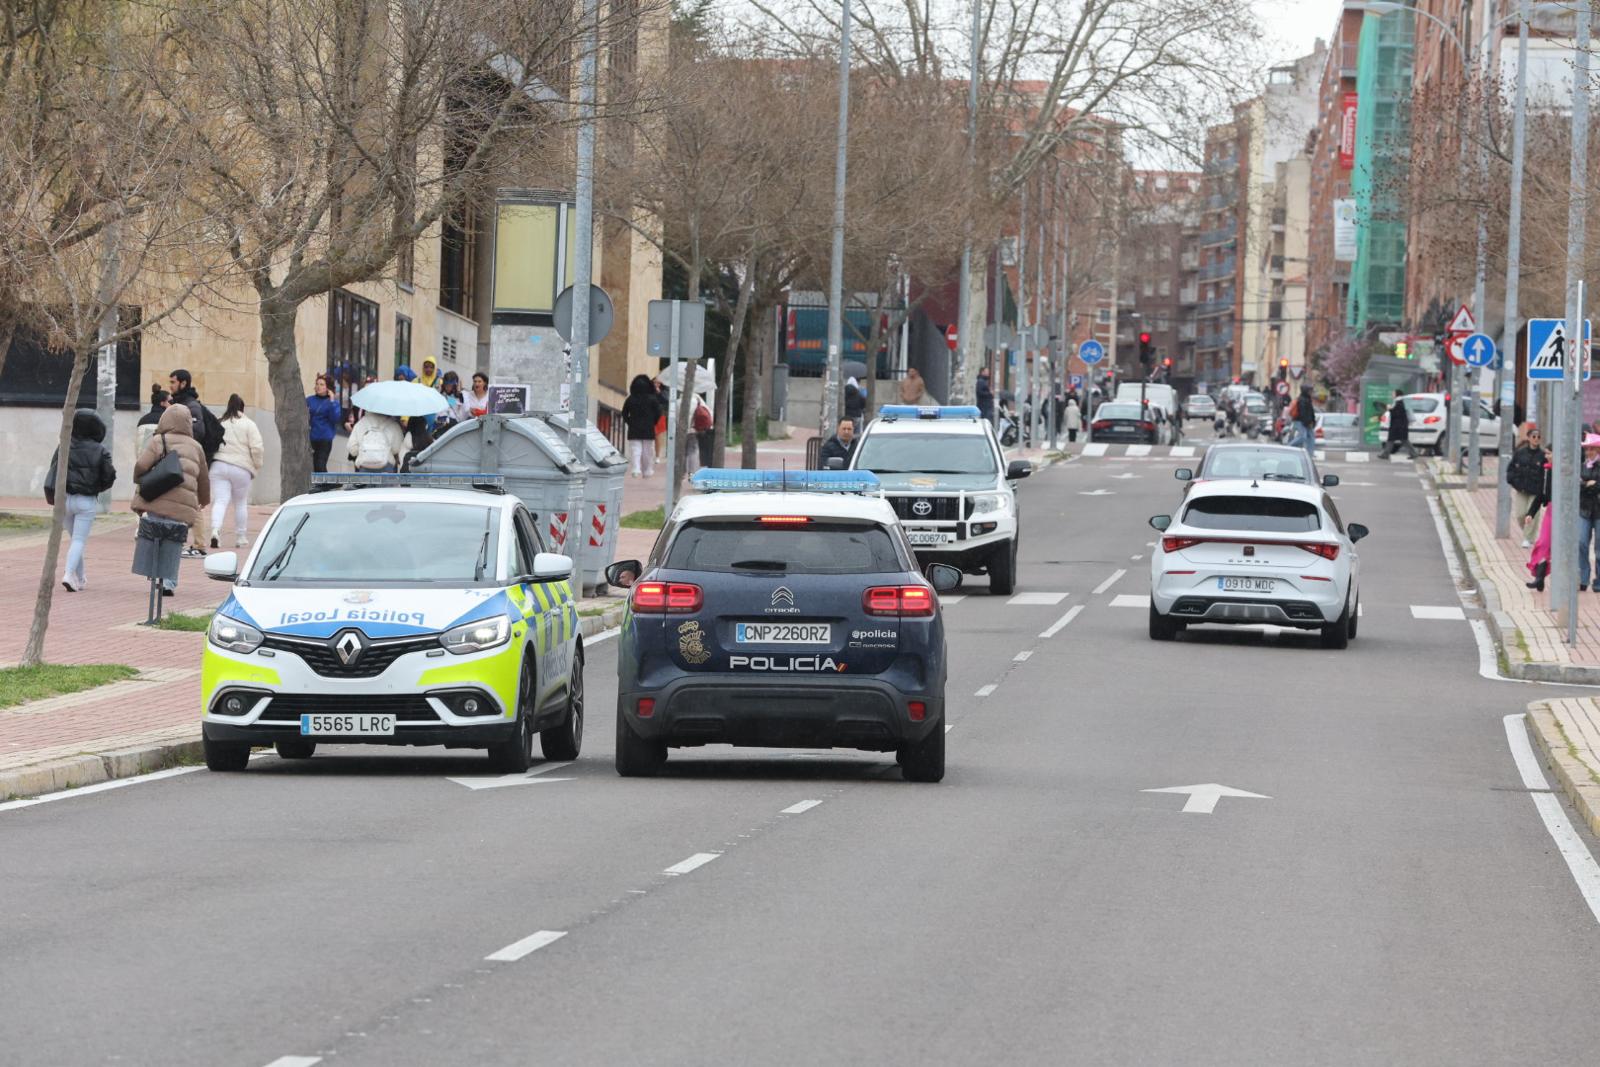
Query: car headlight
[233, 635]
[476, 636]
[984, 503]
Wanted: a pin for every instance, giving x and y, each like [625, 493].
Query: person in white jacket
[376, 443]
[233, 468]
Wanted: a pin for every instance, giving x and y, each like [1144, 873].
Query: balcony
[1189, 261]
[1221, 235]
[1222, 268]
[1187, 332]
[1214, 307]
[1189, 294]
[1220, 164]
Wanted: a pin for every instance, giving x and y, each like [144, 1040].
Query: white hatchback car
[1256, 552]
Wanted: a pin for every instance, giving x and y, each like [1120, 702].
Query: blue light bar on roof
[734, 480]
[913, 411]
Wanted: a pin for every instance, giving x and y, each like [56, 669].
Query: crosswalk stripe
[1130, 600]
[1138, 450]
[1048, 600]
[1095, 449]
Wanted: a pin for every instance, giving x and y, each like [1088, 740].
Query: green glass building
[1383, 140]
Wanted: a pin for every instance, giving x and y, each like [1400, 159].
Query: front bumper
[861, 713]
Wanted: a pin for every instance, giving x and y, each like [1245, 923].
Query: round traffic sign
[951, 336]
[601, 314]
[1478, 350]
[1282, 388]
[1091, 352]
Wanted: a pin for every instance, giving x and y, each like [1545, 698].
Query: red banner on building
[1347, 132]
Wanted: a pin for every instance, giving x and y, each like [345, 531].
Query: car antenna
[1255, 481]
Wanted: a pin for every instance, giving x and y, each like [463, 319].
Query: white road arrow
[1124, 476]
[1203, 798]
[1096, 492]
[503, 780]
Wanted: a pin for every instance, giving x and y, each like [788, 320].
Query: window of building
[1103, 316]
[1165, 287]
[352, 342]
[1166, 253]
[1161, 181]
[35, 374]
[1149, 287]
[402, 341]
[533, 256]
[458, 251]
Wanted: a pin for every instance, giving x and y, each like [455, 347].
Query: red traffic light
[1167, 362]
[1144, 338]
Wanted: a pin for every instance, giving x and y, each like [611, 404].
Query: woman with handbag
[172, 483]
[89, 473]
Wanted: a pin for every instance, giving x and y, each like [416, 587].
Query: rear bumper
[1302, 613]
[742, 710]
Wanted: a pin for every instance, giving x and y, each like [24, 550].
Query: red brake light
[1320, 549]
[1319, 431]
[1147, 427]
[647, 707]
[1102, 424]
[1178, 544]
[786, 520]
[898, 600]
[654, 598]
[917, 709]
[1430, 420]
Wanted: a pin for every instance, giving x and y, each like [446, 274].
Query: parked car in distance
[1338, 429]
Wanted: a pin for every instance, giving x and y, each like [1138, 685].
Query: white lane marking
[603, 635]
[1321, 455]
[1182, 451]
[1579, 859]
[1428, 611]
[948, 727]
[1022, 657]
[529, 777]
[1130, 600]
[1138, 450]
[1061, 623]
[1048, 600]
[1096, 492]
[1203, 798]
[1137, 558]
[803, 806]
[699, 859]
[528, 945]
[954, 598]
[98, 787]
[986, 690]
[1109, 582]
[1095, 449]
[1488, 661]
[1356, 457]
[1124, 476]
[296, 1061]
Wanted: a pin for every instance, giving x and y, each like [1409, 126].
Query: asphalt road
[1392, 897]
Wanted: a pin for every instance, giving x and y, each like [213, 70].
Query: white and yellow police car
[395, 610]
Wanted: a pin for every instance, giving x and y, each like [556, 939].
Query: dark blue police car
[782, 609]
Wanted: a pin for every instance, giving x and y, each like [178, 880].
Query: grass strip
[21, 684]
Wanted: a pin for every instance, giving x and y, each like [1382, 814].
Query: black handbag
[162, 478]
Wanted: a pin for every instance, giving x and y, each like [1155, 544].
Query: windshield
[1257, 464]
[388, 541]
[1253, 515]
[926, 453]
[1119, 411]
[801, 548]
[1420, 405]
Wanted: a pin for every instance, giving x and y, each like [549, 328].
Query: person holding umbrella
[378, 441]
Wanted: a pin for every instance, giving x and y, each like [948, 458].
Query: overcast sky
[1293, 26]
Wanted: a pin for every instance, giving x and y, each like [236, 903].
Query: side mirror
[551, 567]
[944, 577]
[624, 574]
[1183, 474]
[223, 566]
[1356, 531]
[1018, 468]
[1330, 480]
[1160, 522]
[835, 463]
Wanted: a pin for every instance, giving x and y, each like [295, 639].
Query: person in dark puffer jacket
[90, 472]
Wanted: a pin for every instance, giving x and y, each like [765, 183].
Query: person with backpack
[376, 443]
[1304, 412]
[90, 472]
[236, 466]
[182, 501]
[324, 416]
[207, 428]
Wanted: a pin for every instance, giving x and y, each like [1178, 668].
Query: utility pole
[1508, 336]
[956, 389]
[583, 231]
[1022, 314]
[1564, 527]
[832, 380]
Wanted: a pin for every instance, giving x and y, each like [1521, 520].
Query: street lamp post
[1565, 520]
[1508, 336]
[832, 377]
[955, 383]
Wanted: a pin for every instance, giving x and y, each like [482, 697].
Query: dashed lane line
[1130, 600]
[698, 860]
[1023, 656]
[800, 808]
[953, 599]
[1444, 611]
[1109, 582]
[986, 690]
[296, 1061]
[1061, 623]
[527, 946]
[1047, 600]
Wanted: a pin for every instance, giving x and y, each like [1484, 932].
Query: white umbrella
[399, 398]
[705, 377]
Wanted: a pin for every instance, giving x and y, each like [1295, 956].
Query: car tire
[1337, 633]
[226, 755]
[565, 741]
[1163, 628]
[1355, 617]
[1003, 570]
[923, 761]
[515, 754]
[295, 748]
[636, 756]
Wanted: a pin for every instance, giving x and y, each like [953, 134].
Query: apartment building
[1161, 267]
[1217, 274]
[1330, 152]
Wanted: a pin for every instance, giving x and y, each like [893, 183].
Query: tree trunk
[724, 412]
[8, 329]
[288, 396]
[875, 336]
[754, 358]
[33, 655]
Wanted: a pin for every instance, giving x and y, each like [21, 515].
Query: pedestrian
[207, 429]
[1399, 433]
[1304, 412]
[984, 391]
[841, 446]
[913, 390]
[478, 400]
[376, 443]
[419, 437]
[450, 388]
[238, 462]
[639, 413]
[1589, 511]
[663, 405]
[324, 417]
[1525, 476]
[430, 373]
[183, 503]
[701, 423]
[146, 426]
[90, 472]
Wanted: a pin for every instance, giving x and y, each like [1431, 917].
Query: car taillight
[1178, 544]
[1147, 427]
[1430, 420]
[786, 520]
[898, 600]
[917, 709]
[666, 597]
[1319, 432]
[1326, 551]
[646, 707]
[1101, 424]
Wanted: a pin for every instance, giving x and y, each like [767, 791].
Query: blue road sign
[1478, 350]
[1091, 352]
[1547, 348]
[1077, 381]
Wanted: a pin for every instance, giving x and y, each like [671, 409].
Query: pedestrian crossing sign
[1547, 348]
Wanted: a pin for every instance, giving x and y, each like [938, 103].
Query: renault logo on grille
[348, 646]
[783, 595]
[922, 507]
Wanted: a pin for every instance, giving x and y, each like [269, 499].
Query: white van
[1156, 395]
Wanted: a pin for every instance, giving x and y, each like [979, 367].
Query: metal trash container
[602, 500]
[538, 467]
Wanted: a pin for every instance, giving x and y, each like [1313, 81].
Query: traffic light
[1166, 369]
[1283, 369]
[1402, 350]
[1146, 353]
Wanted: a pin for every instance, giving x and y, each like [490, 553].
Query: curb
[1573, 775]
[1494, 615]
[609, 619]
